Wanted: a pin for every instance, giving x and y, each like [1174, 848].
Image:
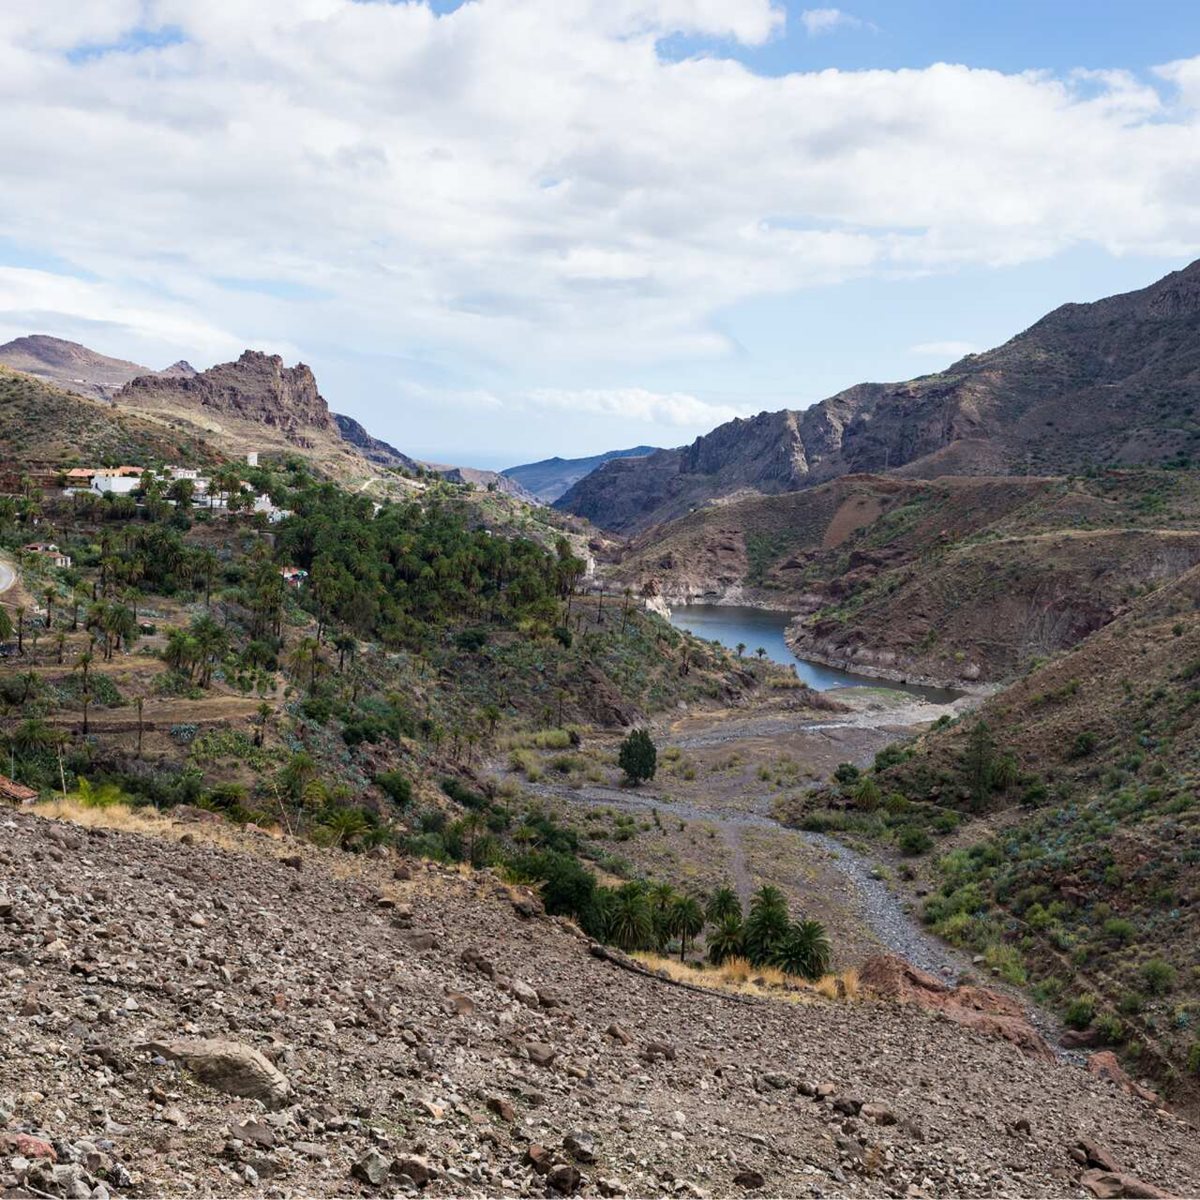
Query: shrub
[1006, 960]
[638, 757]
[913, 840]
[1158, 976]
[1111, 1029]
[461, 794]
[1080, 1012]
[1119, 930]
[396, 786]
[471, 640]
[1085, 742]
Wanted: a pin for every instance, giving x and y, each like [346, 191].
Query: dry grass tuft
[843, 986]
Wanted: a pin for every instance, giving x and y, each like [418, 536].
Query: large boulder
[230, 1067]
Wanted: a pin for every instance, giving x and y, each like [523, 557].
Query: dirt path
[8, 576]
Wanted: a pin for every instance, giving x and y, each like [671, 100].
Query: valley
[887, 762]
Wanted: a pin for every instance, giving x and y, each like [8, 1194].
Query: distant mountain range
[1114, 382]
[75, 368]
[551, 477]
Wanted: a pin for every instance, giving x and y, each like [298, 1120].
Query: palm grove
[416, 584]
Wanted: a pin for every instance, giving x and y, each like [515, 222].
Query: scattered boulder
[541, 1054]
[230, 1067]
[372, 1168]
[564, 1179]
[415, 1168]
[581, 1146]
[750, 1179]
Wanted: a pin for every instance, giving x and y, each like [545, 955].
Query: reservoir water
[730, 624]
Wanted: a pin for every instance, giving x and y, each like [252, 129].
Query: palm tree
[660, 897]
[344, 644]
[347, 824]
[60, 644]
[86, 697]
[20, 624]
[766, 926]
[299, 773]
[722, 905]
[6, 625]
[206, 564]
[805, 950]
[761, 652]
[83, 664]
[264, 711]
[631, 926]
[49, 596]
[32, 736]
[741, 649]
[180, 651]
[687, 920]
[491, 714]
[29, 682]
[305, 653]
[210, 640]
[141, 704]
[725, 941]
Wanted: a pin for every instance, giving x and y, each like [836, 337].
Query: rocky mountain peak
[257, 387]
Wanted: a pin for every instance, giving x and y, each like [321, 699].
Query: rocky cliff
[257, 388]
[372, 448]
[1114, 382]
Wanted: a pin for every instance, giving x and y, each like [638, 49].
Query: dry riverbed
[706, 818]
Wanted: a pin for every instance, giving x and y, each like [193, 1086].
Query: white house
[182, 473]
[120, 485]
[51, 552]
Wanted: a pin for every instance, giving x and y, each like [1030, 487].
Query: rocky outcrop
[887, 977]
[257, 388]
[1070, 391]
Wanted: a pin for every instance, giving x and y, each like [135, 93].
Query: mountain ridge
[1116, 380]
[549, 478]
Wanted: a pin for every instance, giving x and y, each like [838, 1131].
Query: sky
[505, 229]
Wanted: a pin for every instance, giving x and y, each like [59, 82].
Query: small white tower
[252, 458]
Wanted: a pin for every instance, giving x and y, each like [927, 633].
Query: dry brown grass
[125, 818]
[737, 975]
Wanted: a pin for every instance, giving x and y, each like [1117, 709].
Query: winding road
[8, 576]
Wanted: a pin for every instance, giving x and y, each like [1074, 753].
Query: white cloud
[526, 192]
[948, 350]
[668, 409]
[817, 21]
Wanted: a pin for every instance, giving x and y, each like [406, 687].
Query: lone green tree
[638, 757]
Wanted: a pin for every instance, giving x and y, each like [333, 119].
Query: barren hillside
[398, 1026]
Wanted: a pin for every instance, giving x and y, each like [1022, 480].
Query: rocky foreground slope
[386, 1026]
